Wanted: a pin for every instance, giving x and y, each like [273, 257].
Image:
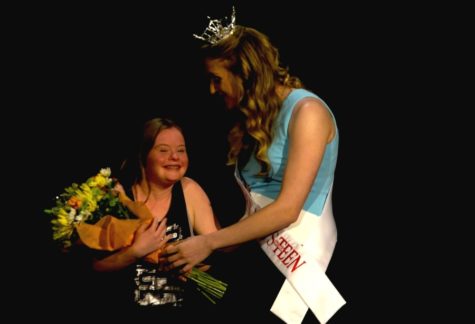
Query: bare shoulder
[189, 184]
[191, 188]
[198, 204]
[310, 106]
[311, 115]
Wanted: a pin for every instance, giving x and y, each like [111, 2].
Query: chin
[229, 106]
[175, 178]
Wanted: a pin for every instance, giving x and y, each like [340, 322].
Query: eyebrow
[161, 144]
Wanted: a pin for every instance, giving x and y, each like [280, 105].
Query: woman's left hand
[188, 253]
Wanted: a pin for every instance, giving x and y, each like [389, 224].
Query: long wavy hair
[251, 56]
[132, 168]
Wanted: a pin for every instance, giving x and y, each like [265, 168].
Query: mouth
[172, 167]
[218, 97]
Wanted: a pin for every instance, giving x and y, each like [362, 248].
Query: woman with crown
[284, 145]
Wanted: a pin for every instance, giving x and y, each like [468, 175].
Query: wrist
[133, 253]
[211, 241]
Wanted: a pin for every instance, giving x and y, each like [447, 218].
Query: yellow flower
[100, 180]
[63, 217]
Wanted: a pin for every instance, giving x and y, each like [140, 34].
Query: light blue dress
[278, 156]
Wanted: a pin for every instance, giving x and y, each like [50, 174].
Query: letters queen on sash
[301, 251]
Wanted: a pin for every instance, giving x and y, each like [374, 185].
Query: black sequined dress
[152, 286]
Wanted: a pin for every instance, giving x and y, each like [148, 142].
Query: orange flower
[74, 202]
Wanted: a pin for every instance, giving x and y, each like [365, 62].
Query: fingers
[175, 261]
[160, 225]
[155, 223]
[164, 241]
[151, 235]
[203, 267]
[182, 278]
[121, 193]
[119, 188]
[143, 227]
[155, 226]
[186, 268]
[173, 257]
[171, 249]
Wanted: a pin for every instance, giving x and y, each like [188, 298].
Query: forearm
[258, 225]
[116, 261]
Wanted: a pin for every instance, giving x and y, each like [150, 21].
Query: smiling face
[223, 82]
[167, 161]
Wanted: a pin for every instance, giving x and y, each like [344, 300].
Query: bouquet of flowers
[94, 214]
[85, 203]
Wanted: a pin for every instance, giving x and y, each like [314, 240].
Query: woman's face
[223, 82]
[167, 161]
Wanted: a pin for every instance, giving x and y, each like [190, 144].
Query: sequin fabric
[156, 287]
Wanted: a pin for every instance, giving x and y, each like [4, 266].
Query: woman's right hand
[150, 236]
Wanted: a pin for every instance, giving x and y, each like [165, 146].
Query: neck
[152, 192]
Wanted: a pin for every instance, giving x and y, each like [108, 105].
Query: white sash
[302, 252]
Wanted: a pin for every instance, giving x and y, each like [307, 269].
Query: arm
[200, 212]
[199, 209]
[311, 126]
[148, 238]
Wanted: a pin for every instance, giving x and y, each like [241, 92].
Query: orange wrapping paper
[111, 233]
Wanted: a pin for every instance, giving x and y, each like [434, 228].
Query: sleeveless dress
[154, 287]
[278, 156]
[159, 296]
[311, 239]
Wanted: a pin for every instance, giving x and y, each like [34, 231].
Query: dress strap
[177, 212]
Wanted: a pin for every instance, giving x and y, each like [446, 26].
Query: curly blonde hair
[251, 56]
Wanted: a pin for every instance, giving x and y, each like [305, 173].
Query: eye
[162, 149]
[215, 79]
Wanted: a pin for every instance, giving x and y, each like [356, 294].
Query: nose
[212, 88]
[174, 155]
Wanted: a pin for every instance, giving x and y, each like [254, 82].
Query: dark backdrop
[92, 76]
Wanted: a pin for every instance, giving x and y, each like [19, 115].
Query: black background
[88, 76]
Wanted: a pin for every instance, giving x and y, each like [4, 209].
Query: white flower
[85, 214]
[71, 215]
[106, 172]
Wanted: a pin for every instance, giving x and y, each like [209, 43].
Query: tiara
[216, 30]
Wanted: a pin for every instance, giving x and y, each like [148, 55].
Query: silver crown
[217, 31]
